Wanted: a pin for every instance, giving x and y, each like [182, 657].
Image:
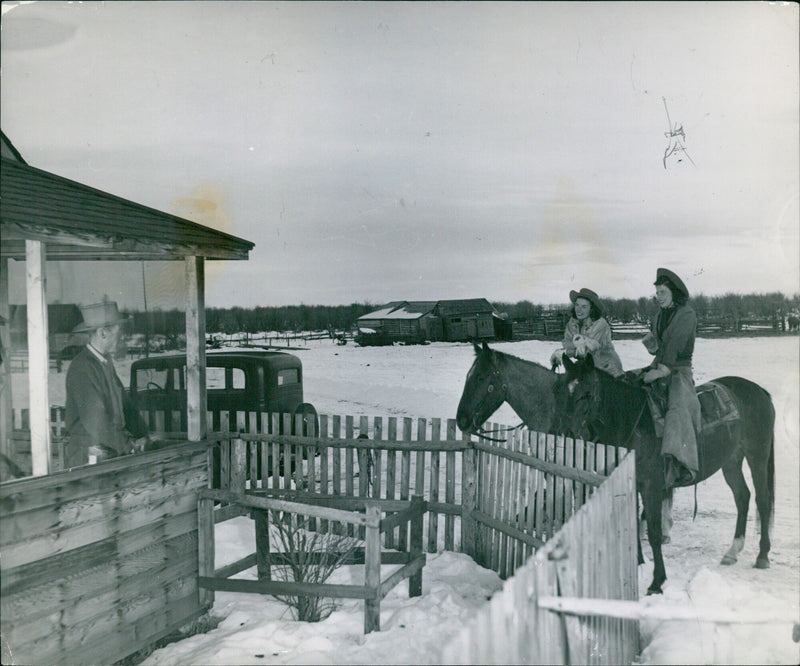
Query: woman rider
[588, 332]
[671, 341]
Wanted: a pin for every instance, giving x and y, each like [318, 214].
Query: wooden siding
[100, 561]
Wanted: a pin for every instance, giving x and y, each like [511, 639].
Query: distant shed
[449, 320]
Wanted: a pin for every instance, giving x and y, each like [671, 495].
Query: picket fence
[499, 502]
[496, 501]
[592, 556]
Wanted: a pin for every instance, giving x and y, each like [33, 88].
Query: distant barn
[418, 321]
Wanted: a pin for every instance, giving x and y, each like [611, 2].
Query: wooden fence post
[238, 466]
[469, 499]
[372, 574]
[415, 581]
[261, 519]
[205, 548]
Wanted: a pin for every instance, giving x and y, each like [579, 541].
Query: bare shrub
[308, 557]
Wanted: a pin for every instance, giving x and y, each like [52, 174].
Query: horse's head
[484, 390]
[583, 412]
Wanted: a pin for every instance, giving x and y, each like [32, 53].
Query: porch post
[195, 349]
[6, 405]
[38, 357]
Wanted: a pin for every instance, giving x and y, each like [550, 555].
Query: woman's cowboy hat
[588, 294]
[664, 274]
[99, 315]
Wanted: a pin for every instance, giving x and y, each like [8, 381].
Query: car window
[152, 378]
[288, 376]
[215, 378]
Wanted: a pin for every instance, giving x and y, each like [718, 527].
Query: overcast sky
[423, 151]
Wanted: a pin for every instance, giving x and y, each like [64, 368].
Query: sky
[421, 151]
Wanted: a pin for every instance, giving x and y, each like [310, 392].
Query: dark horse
[604, 409]
[536, 394]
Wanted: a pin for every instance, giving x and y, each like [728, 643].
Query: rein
[485, 434]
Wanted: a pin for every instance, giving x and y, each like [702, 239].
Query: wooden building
[98, 561]
[45, 217]
[417, 321]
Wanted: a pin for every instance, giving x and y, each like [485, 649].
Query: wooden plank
[44, 571]
[372, 574]
[469, 489]
[419, 460]
[80, 534]
[284, 505]
[324, 467]
[86, 483]
[450, 489]
[83, 634]
[36, 614]
[38, 356]
[377, 457]
[275, 587]
[195, 349]
[406, 571]
[543, 463]
[391, 474]
[357, 443]
[416, 544]
[6, 406]
[405, 480]
[558, 457]
[433, 493]
[41, 593]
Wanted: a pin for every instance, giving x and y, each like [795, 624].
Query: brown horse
[605, 409]
[536, 394]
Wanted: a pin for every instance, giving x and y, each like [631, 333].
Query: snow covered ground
[427, 381]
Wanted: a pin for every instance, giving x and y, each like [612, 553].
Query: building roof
[417, 309]
[79, 222]
[465, 305]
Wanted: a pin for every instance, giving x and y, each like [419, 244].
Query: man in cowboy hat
[588, 332]
[100, 420]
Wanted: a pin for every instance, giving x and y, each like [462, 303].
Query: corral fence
[116, 555]
[592, 556]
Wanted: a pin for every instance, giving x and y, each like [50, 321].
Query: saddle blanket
[716, 406]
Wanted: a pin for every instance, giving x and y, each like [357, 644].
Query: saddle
[717, 407]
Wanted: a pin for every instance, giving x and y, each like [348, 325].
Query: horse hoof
[665, 540]
[654, 590]
[762, 563]
[728, 560]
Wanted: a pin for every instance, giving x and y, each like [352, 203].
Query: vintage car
[236, 381]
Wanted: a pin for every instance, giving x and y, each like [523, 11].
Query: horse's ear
[477, 348]
[569, 366]
[486, 346]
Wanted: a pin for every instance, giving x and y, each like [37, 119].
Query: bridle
[479, 430]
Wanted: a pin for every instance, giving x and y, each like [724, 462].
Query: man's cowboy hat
[664, 274]
[99, 315]
[588, 294]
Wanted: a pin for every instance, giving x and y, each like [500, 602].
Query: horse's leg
[653, 498]
[763, 473]
[732, 470]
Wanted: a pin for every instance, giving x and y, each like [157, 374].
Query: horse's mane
[524, 361]
[623, 399]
